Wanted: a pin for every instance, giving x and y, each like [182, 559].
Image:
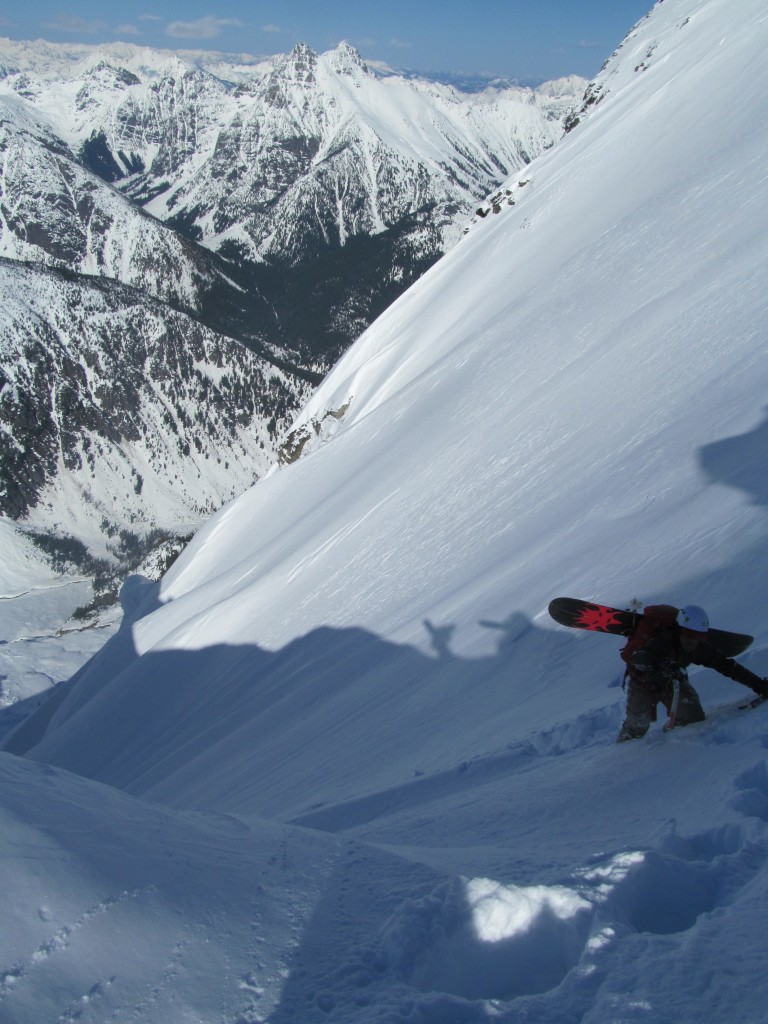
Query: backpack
[654, 640]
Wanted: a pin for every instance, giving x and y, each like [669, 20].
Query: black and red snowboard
[570, 611]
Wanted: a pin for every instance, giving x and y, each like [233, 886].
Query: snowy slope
[572, 401]
[209, 913]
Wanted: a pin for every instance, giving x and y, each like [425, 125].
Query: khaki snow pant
[642, 700]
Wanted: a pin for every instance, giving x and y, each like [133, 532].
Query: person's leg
[641, 711]
[689, 709]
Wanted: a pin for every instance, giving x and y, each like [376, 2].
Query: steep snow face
[572, 401]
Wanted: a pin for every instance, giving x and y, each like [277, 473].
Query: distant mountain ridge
[276, 165]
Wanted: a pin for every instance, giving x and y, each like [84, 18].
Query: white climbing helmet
[693, 617]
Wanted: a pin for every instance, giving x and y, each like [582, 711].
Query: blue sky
[512, 38]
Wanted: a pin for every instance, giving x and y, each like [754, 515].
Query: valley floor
[41, 645]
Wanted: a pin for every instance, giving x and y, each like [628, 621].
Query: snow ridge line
[593, 729]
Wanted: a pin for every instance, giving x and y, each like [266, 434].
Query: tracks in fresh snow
[24, 969]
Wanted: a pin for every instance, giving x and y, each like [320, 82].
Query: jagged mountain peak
[103, 79]
[109, 72]
[347, 60]
[297, 66]
[177, 67]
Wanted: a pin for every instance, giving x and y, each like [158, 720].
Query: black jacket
[708, 656]
[656, 661]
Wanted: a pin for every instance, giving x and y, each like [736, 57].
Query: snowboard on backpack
[570, 611]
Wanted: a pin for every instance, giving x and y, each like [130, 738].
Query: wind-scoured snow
[340, 765]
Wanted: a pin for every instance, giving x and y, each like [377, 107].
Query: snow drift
[572, 401]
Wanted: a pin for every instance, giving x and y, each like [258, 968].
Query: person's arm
[708, 656]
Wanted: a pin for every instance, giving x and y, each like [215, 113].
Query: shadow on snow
[740, 461]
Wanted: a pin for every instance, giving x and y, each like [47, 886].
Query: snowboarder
[657, 658]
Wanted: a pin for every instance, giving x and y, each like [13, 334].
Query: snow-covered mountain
[280, 165]
[340, 765]
[118, 409]
[322, 150]
[57, 212]
[114, 369]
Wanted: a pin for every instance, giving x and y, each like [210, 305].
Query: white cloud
[73, 23]
[400, 44]
[204, 28]
[272, 28]
[150, 17]
[127, 30]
